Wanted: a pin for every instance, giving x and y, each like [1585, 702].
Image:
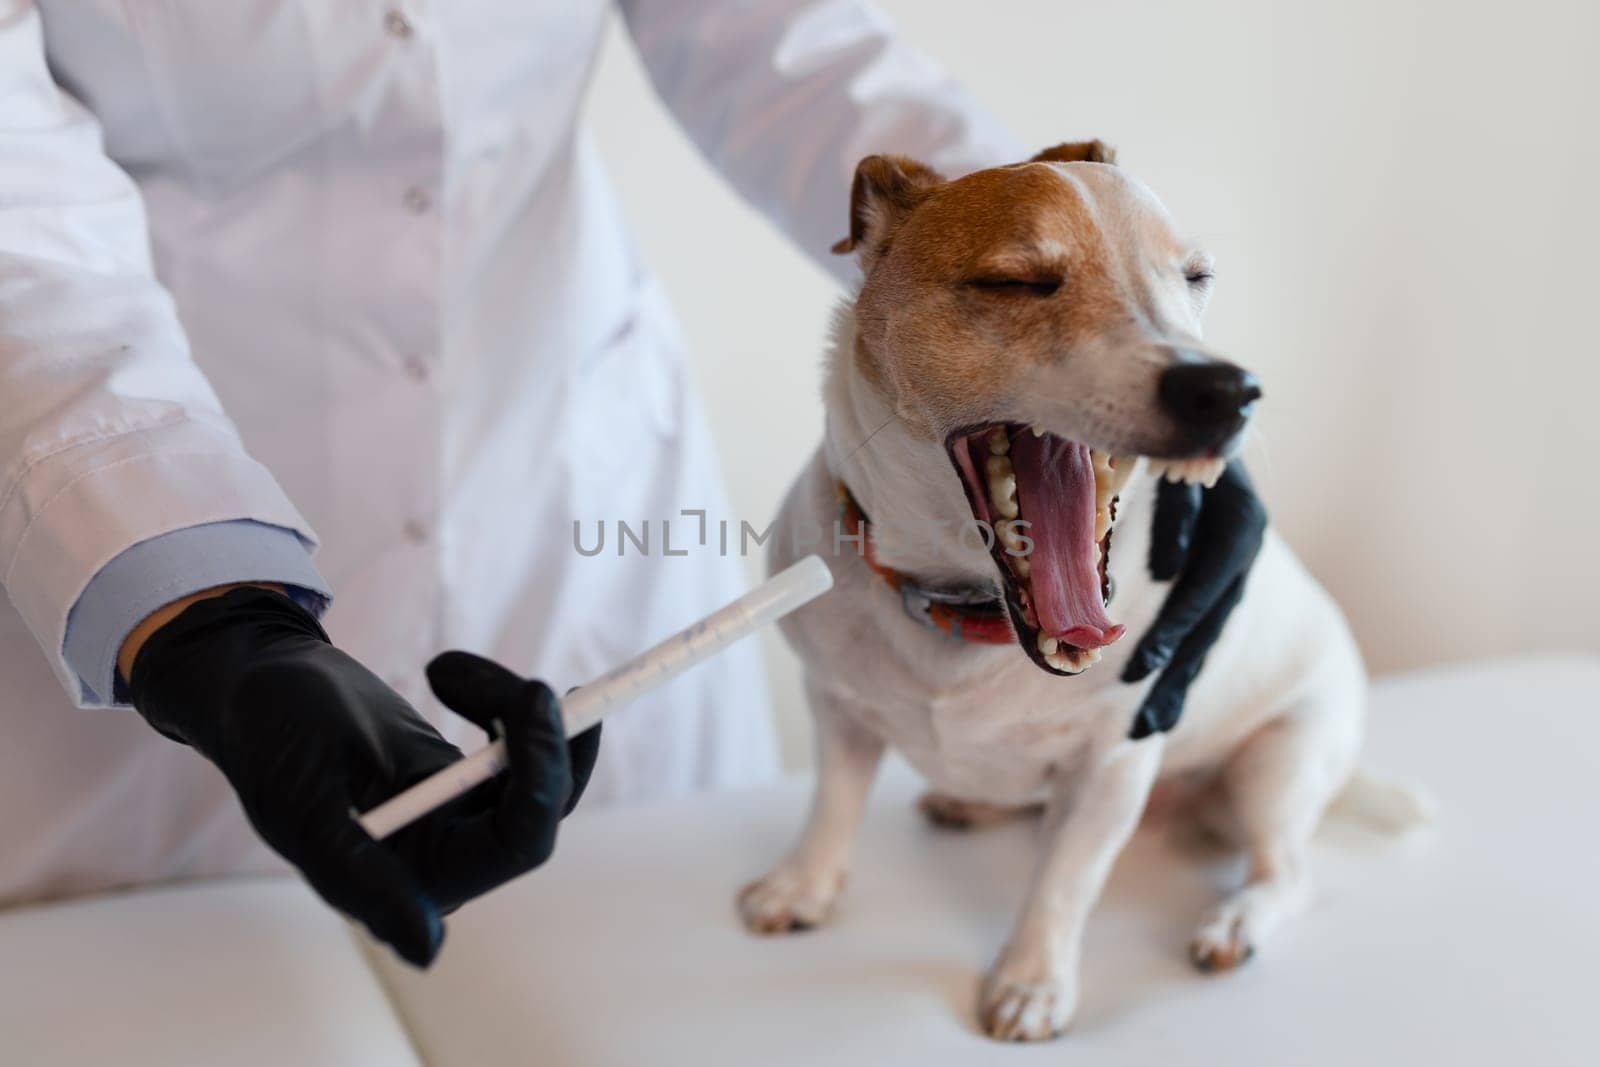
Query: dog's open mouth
[1050, 503]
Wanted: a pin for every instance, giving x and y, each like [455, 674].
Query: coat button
[397, 25]
[417, 200]
[416, 531]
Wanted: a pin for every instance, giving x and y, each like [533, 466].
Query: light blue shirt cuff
[158, 571]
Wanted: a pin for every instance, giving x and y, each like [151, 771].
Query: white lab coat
[352, 268]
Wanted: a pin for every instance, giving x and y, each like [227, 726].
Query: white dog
[1023, 335]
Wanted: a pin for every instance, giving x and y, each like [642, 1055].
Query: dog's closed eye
[1012, 286]
[1199, 270]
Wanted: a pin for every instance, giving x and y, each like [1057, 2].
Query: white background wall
[1400, 196]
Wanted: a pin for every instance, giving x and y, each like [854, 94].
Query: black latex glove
[1207, 539]
[308, 738]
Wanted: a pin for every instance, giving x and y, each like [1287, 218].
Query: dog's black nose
[1210, 399]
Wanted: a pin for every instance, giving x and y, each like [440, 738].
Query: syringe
[767, 602]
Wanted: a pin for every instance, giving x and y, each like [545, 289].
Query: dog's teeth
[1201, 471]
[1073, 660]
[1189, 471]
[1108, 482]
[1047, 644]
[1021, 565]
[1002, 485]
[1102, 526]
[1036, 431]
[1061, 661]
[999, 441]
[1010, 538]
[1003, 494]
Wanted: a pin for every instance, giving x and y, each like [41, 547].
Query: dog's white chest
[999, 738]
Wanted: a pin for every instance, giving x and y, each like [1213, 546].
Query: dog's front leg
[1032, 991]
[799, 892]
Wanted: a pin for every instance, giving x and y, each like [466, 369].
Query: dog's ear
[1078, 152]
[885, 190]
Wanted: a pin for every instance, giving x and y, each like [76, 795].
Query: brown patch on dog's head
[1051, 291]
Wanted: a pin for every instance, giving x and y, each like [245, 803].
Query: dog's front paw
[1226, 939]
[789, 898]
[1027, 1001]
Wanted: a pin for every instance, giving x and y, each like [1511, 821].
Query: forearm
[165, 614]
[148, 576]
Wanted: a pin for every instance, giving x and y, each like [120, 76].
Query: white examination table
[1475, 941]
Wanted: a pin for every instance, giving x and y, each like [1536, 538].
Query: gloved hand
[1210, 537]
[309, 738]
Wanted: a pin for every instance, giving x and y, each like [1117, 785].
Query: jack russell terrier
[1026, 338]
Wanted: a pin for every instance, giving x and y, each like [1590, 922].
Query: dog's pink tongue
[1055, 492]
